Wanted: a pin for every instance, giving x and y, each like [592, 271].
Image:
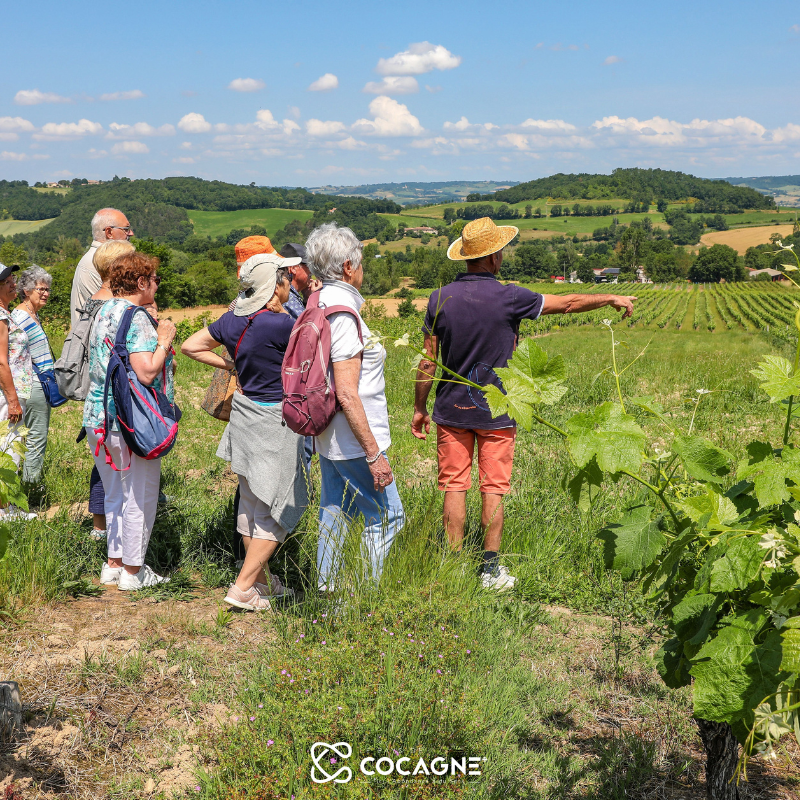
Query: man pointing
[474, 322]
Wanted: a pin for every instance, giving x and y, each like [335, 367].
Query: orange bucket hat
[253, 246]
[481, 237]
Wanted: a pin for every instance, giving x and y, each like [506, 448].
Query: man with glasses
[107, 224]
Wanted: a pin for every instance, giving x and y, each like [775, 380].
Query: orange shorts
[495, 458]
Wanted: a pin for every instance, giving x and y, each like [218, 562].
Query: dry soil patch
[743, 238]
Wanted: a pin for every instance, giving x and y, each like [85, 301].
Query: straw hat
[480, 237]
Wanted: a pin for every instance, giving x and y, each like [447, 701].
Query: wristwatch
[166, 351]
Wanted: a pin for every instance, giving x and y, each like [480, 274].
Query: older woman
[131, 490]
[34, 289]
[266, 455]
[104, 257]
[356, 476]
[16, 377]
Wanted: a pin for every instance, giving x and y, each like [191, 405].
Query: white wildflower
[703, 391]
[777, 550]
[373, 341]
[402, 341]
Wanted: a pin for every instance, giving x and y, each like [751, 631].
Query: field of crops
[9, 227]
[220, 223]
[700, 307]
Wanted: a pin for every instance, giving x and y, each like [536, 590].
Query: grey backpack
[72, 368]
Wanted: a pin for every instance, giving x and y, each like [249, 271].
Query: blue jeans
[348, 490]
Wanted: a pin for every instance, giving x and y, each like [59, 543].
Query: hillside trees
[717, 263]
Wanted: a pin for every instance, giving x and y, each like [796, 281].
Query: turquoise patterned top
[142, 338]
[19, 356]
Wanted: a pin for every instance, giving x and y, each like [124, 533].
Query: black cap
[293, 250]
[6, 271]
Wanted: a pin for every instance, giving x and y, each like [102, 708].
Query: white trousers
[131, 498]
[13, 429]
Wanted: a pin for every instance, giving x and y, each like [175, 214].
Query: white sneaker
[143, 578]
[499, 581]
[109, 576]
[14, 514]
[97, 534]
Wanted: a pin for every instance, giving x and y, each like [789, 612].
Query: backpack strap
[246, 328]
[328, 310]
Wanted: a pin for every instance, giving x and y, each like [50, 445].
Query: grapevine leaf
[694, 617]
[769, 474]
[714, 510]
[659, 579]
[584, 486]
[608, 434]
[790, 660]
[702, 459]
[739, 566]
[672, 665]
[777, 378]
[543, 379]
[633, 543]
[734, 674]
[513, 402]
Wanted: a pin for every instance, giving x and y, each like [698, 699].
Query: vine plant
[715, 545]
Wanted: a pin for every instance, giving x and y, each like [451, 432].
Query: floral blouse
[19, 356]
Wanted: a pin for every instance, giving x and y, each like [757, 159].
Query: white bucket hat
[257, 281]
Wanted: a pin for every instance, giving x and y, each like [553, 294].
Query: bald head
[110, 223]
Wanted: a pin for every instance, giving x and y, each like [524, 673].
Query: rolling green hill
[220, 223]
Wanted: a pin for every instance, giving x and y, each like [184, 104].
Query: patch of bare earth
[742, 238]
[118, 695]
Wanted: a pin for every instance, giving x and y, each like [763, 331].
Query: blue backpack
[146, 419]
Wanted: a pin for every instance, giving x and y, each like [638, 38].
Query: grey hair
[281, 275]
[328, 247]
[101, 220]
[29, 279]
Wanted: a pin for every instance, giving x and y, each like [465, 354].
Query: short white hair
[327, 249]
[104, 218]
[32, 276]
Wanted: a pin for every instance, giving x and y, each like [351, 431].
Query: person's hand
[14, 410]
[421, 424]
[166, 333]
[313, 285]
[381, 473]
[618, 303]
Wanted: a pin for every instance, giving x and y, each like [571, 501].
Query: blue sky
[312, 93]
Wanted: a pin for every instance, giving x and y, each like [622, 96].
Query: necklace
[29, 309]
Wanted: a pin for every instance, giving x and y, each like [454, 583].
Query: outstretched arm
[578, 303]
[426, 370]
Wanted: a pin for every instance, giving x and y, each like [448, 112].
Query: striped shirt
[38, 343]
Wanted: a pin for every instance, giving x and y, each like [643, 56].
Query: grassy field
[220, 223]
[169, 695]
[8, 227]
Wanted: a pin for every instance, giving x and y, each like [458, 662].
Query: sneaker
[109, 576]
[14, 514]
[97, 534]
[143, 578]
[251, 600]
[277, 589]
[499, 580]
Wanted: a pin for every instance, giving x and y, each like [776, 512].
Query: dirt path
[743, 238]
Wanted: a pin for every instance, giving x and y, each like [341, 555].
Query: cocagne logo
[326, 756]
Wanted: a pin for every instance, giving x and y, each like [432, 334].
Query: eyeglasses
[43, 289]
[126, 228]
[156, 279]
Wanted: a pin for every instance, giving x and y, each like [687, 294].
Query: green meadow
[220, 223]
[8, 227]
[168, 694]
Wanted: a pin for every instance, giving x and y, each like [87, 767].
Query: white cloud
[390, 118]
[183, 160]
[318, 127]
[9, 156]
[8, 137]
[68, 130]
[194, 123]
[433, 89]
[553, 125]
[612, 60]
[350, 144]
[659, 131]
[465, 125]
[325, 83]
[136, 94]
[137, 130]
[795, 29]
[246, 85]
[393, 84]
[125, 148]
[15, 125]
[33, 97]
[420, 58]
[186, 145]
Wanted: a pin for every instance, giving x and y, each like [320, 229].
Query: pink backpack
[309, 395]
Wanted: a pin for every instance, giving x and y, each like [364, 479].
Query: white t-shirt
[337, 441]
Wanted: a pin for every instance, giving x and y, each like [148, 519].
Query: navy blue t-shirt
[260, 353]
[476, 320]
